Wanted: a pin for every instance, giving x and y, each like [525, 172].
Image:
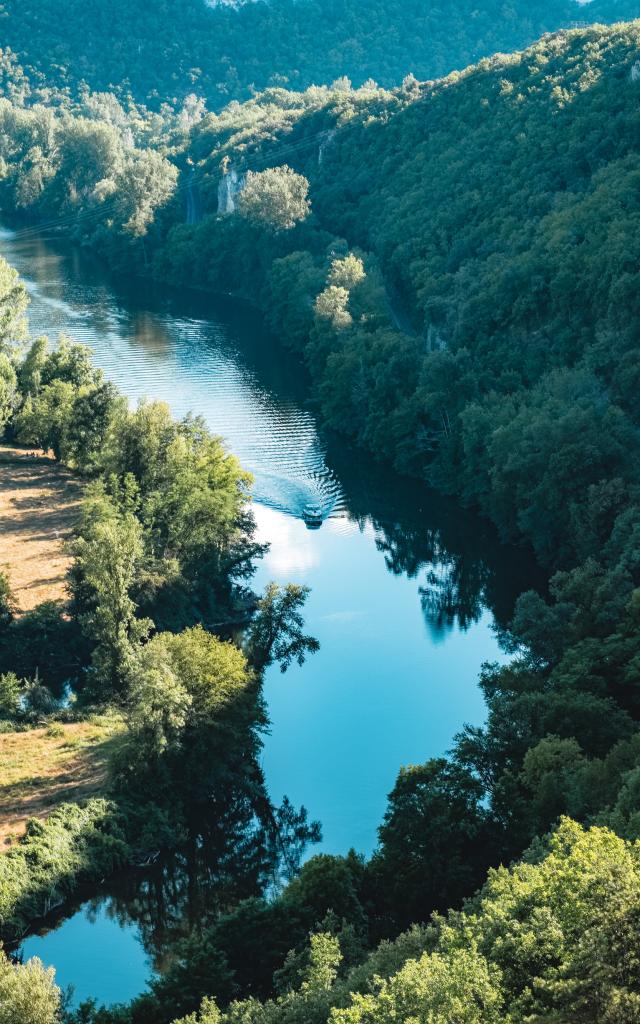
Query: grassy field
[40, 768]
[39, 504]
[44, 767]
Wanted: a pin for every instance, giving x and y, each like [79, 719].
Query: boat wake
[312, 497]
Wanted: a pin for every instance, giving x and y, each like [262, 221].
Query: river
[406, 586]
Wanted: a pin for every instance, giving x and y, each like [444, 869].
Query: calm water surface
[405, 586]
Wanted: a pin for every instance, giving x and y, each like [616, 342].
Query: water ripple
[195, 365]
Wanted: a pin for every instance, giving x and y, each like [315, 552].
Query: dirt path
[39, 504]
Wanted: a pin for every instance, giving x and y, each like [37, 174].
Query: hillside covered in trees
[478, 233]
[457, 263]
[166, 50]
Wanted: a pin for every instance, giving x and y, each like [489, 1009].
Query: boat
[312, 515]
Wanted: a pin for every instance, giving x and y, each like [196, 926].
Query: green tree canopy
[275, 198]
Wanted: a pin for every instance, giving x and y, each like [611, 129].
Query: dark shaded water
[405, 586]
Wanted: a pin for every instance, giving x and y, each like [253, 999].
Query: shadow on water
[109, 946]
[461, 566]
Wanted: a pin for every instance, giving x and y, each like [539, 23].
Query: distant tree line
[223, 51]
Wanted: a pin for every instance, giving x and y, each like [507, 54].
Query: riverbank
[77, 843]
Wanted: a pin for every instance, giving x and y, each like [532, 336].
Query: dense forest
[164, 51]
[457, 263]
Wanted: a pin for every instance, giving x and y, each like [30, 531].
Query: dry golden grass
[44, 767]
[39, 505]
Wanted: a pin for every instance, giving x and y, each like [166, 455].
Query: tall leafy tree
[13, 305]
[275, 199]
[28, 993]
[109, 554]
